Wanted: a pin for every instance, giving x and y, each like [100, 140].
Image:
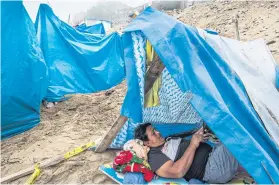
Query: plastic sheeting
[77, 62]
[219, 95]
[175, 106]
[94, 29]
[23, 71]
[107, 25]
[255, 66]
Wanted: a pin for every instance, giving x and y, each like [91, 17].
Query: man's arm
[179, 168]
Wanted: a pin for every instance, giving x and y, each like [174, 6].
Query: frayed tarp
[256, 67]
[23, 73]
[77, 62]
[219, 95]
[94, 29]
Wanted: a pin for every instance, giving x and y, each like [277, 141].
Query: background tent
[91, 21]
[78, 62]
[23, 71]
[94, 29]
[198, 84]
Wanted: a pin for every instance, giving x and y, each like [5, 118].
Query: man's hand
[197, 138]
[206, 137]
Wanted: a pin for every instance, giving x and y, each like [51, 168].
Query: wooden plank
[110, 135]
[152, 74]
[48, 163]
[30, 170]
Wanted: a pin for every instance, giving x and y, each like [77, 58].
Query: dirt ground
[85, 118]
[72, 123]
[257, 19]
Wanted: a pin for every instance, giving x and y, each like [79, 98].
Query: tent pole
[236, 27]
[151, 76]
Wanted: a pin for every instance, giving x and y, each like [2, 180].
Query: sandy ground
[72, 123]
[257, 19]
[84, 118]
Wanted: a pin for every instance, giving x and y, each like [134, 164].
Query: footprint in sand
[99, 178]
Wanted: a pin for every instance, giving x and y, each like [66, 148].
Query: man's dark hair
[140, 132]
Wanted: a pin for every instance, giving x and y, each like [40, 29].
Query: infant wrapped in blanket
[134, 159]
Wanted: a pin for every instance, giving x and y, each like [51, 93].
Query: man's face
[154, 137]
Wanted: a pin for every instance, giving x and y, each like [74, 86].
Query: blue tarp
[78, 62]
[94, 29]
[219, 95]
[23, 71]
[81, 26]
[277, 76]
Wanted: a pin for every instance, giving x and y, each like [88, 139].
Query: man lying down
[190, 159]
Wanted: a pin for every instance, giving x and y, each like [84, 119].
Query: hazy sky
[62, 8]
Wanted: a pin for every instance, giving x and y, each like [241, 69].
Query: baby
[137, 146]
[133, 159]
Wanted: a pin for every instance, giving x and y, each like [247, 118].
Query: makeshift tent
[202, 83]
[23, 73]
[78, 62]
[94, 29]
[91, 21]
[81, 26]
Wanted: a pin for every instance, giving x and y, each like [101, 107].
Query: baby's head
[137, 146]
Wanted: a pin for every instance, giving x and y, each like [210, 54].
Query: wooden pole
[69, 20]
[48, 163]
[154, 71]
[236, 27]
[110, 135]
[152, 74]
[30, 170]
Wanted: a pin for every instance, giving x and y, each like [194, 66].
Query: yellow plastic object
[78, 150]
[34, 176]
[171, 183]
[152, 97]
[149, 52]
[108, 165]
